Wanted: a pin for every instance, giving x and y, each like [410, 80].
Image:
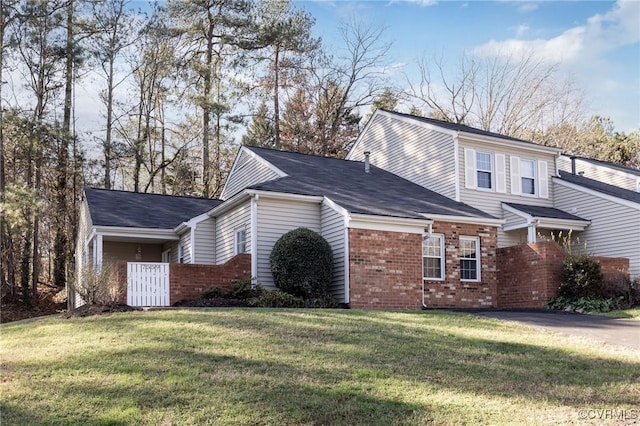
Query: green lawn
[315, 367]
[633, 313]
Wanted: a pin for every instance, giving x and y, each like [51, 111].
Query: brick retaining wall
[530, 274]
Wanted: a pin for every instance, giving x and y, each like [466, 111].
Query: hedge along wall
[529, 274]
[186, 281]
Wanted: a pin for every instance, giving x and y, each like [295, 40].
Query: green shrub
[302, 264]
[584, 304]
[277, 299]
[244, 289]
[581, 277]
[212, 293]
[239, 289]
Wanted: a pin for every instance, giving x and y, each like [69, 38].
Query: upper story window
[433, 257]
[484, 170]
[528, 176]
[239, 241]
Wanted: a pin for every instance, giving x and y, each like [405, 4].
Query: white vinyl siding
[226, 225]
[614, 230]
[412, 151]
[205, 249]
[491, 201]
[275, 218]
[247, 171]
[602, 173]
[333, 230]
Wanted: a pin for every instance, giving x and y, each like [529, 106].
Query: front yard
[291, 367]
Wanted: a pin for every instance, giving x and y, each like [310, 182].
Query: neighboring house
[511, 179]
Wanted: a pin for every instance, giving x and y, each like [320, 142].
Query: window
[240, 241]
[433, 257]
[469, 259]
[528, 176]
[484, 169]
[181, 253]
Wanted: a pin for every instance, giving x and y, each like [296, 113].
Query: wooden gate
[147, 284]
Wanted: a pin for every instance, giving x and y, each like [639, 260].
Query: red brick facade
[385, 269]
[186, 281]
[529, 274]
[452, 292]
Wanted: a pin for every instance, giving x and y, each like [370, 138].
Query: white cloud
[421, 3]
[600, 34]
[526, 7]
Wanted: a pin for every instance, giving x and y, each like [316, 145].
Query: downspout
[193, 243]
[254, 239]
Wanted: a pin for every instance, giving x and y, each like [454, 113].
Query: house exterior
[531, 187]
[421, 214]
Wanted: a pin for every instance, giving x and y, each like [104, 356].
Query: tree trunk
[276, 98]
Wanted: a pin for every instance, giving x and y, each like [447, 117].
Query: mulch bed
[212, 303]
[89, 310]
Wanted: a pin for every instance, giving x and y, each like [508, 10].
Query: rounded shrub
[581, 277]
[302, 264]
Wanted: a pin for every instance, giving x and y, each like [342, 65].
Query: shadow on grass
[316, 367]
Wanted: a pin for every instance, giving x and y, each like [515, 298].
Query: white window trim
[492, 171]
[166, 256]
[181, 253]
[442, 258]
[536, 182]
[236, 240]
[478, 268]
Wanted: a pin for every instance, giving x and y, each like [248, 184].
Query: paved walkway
[623, 332]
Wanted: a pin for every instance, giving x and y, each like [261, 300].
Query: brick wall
[452, 292]
[187, 280]
[530, 274]
[385, 269]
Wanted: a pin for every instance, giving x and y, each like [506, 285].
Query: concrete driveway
[623, 332]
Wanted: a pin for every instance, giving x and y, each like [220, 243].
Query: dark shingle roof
[141, 210]
[546, 212]
[346, 183]
[601, 187]
[614, 166]
[458, 127]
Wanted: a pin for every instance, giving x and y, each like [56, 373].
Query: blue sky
[596, 43]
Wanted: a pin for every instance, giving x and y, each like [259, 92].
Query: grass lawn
[623, 313]
[315, 367]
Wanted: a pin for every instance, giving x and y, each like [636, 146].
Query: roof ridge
[150, 193]
[298, 153]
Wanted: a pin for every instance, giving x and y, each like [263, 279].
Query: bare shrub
[98, 285]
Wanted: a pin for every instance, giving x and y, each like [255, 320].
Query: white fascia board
[364, 130]
[120, 231]
[178, 229]
[418, 122]
[196, 220]
[510, 143]
[590, 191]
[263, 161]
[335, 207]
[285, 196]
[465, 219]
[568, 224]
[386, 223]
[233, 168]
[229, 204]
[517, 212]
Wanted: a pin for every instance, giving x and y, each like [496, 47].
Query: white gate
[147, 284]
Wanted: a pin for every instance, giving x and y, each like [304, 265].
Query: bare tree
[508, 95]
